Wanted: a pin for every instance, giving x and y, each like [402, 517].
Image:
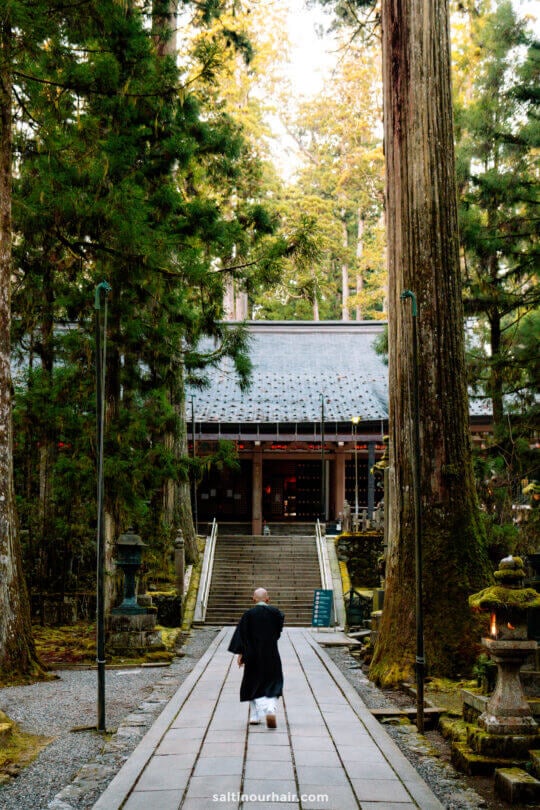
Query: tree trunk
[182, 501]
[423, 257]
[164, 26]
[359, 275]
[164, 29]
[48, 439]
[112, 508]
[344, 276]
[17, 652]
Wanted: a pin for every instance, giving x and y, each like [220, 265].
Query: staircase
[288, 567]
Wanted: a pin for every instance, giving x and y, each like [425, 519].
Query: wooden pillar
[256, 503]
[371, 480]
[339, 481]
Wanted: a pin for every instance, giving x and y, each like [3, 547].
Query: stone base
[133, 634]
[169, 609]
[508, 726]
[535, 762]
[503, 746]
[473, 705]
[473, 764]
[516, 786]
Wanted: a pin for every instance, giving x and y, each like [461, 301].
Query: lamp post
[101, 292]
[355, 421]
[323, 470]
[193, 474]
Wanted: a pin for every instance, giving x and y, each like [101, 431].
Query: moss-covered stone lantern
[507, 711]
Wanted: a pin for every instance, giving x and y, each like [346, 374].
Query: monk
[255, 642]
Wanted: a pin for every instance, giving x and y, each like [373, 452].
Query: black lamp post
[129, 547]
[101, 292]
[355, 421]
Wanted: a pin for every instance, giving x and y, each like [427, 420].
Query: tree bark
[182, 501]
[17, 652]
[164, 27]
[423, 257]
[344, 275]
[359, 254]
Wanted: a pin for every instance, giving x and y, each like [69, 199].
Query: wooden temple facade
[308, 432]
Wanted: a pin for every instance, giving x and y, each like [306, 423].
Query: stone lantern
[132, 625]
[129, 548]
[507, 712]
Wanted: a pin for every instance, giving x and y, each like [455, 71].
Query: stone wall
[361, 552]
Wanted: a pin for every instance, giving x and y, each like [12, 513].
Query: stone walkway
[327, 752]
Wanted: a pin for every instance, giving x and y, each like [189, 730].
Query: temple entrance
[291, 490]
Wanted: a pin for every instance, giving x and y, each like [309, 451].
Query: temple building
[308, 431]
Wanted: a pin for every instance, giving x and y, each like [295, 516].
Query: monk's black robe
[256, 638]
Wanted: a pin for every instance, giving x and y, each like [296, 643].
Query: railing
[324, 562]
[206, 574]
[327, 581]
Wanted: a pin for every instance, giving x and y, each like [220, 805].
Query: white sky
[312, 56]
[312, 60]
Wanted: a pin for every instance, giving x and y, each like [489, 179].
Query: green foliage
[124, 174]
[497, 142]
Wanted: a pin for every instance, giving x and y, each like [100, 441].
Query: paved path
[327, 752]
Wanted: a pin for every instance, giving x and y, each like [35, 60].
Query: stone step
[290, 595]
[232, 616]
[244, 603]
[516, 786]
[244, 578]
[535, 762]
[473, 764]
[257, 559]
[287, 568]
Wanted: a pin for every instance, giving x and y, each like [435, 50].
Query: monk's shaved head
[260, 595]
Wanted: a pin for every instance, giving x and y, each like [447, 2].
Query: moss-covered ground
[17, 749]
[75, 645]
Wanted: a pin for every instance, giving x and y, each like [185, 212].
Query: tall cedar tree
[423, 256]
[498, 134]
[123, 178]
[19, 29]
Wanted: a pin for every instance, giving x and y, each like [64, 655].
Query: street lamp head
[355, 419]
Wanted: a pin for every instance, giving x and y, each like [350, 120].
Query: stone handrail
[206, 574]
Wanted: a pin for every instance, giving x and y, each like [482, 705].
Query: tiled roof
[294, 363]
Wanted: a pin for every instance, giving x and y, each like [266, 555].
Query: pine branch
[111, 94]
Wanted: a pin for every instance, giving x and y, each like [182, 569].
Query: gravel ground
[75, 768]
[134, 698]
[429, 753]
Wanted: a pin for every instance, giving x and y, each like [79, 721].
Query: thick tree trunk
[164, 29]
[182, 500]
[423, 257]
[17, 652]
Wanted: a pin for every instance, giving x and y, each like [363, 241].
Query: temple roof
[294, 364]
